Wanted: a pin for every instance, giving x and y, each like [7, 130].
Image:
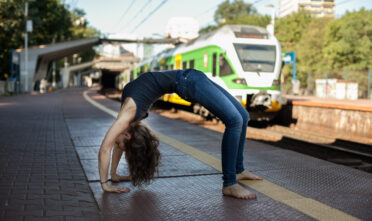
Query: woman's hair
[142, 154]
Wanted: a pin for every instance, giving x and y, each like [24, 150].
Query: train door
[214, 64]
[191, 65]
[224, 66]
[178, 59]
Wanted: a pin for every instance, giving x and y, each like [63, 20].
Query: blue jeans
[195, 86]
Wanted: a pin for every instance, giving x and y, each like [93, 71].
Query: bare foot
[246, 175]
[238, 191]
[117, 178]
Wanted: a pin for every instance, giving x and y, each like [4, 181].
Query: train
[245, 60]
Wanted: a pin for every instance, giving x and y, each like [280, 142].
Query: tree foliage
[227, 11]
[310, 47]
[309, 51]
[251, 19]
[324, 46]
[52, 22]
[349, 42]
[289, 30]
[236, 12]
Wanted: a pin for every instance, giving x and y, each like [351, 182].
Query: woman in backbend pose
[129, 135]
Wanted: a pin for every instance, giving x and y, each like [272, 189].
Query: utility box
[334, 88]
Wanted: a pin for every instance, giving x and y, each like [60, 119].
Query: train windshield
[257, 58]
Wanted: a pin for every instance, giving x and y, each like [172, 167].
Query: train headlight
[240, 81]
[276, 82]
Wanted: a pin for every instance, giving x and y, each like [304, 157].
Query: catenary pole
[26, 48]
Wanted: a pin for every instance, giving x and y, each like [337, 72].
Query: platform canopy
[40, 57]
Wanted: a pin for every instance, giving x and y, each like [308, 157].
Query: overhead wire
[343, 2]
[150, 14]
[124, 14]
[208, 10]
[136, 15]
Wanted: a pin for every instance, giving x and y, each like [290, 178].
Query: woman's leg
[212, 98]
[245, 116]
[241, 172]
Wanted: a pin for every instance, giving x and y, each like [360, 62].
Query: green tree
[309, 51]
[236, 12]
[289, 30]
[52, 22]
[11, 26]
[229, 11]
[251, 19]
[207, 29]
[348, 47]
[349, 42]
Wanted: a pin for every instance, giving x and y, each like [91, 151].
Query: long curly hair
[142, 155]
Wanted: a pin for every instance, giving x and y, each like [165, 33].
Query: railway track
[343, 152]
[337, 150]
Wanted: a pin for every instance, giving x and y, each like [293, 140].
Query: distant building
[319, 8]
[182, 27]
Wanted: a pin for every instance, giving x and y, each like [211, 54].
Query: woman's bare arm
[122, 122]
[117, 153]
[116, 156]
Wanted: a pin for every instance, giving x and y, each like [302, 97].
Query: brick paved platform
[49, 145]
[41, 176]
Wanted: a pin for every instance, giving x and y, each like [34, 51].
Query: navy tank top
[147, 88]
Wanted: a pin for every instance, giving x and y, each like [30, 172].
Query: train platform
[312, 101]
[49, 146]
[344, 119]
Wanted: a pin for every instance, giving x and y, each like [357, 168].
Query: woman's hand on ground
[114, 189]
[117, 178]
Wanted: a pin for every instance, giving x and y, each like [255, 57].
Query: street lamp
[271, 29]
[28, 28]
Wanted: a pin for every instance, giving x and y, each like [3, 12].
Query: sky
[139, 18]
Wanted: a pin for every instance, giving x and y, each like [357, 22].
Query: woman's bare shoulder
[128, 103]
[127, 110]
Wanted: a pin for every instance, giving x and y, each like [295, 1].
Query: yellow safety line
[308, 206]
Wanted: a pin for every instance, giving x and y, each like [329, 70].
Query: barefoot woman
[127, 134]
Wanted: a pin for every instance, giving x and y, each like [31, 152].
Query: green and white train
[245, 60]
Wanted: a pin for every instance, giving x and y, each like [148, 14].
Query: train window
[256, 58]
[166, 67]
[184, 65]
[214, 64]
[191, 65]
[225, 68]
[171, 66]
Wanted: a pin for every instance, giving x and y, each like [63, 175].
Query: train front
[256, 56]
